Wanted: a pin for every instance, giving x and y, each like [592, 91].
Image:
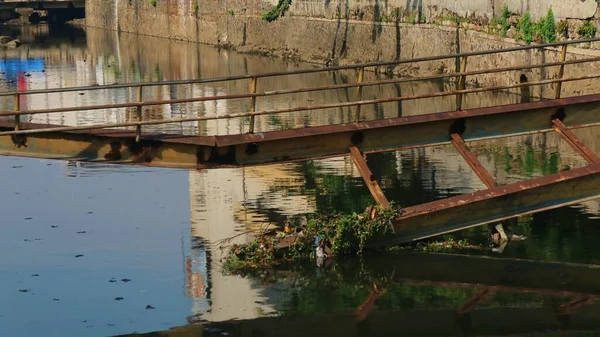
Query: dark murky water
[100, 250]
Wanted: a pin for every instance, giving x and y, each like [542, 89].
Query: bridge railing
[460, 76]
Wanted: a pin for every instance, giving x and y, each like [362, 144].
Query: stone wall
[332, 32]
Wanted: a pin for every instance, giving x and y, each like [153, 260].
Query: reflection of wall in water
[217, 205]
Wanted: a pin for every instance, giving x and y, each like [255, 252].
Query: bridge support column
[24, 14]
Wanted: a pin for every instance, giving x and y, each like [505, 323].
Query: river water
[103, 250]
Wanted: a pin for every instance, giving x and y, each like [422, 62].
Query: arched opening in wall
[525, 90]
[523, 78]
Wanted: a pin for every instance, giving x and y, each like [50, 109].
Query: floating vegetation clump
[336, 234]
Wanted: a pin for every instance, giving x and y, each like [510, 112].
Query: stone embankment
[331, 32]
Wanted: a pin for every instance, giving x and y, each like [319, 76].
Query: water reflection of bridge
[468, 296]
[252, 196]
[225, 201]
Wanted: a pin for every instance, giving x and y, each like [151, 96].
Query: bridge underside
[36, 11]
[42, 5]
[496, 203]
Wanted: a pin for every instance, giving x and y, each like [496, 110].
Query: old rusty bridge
[130, 143]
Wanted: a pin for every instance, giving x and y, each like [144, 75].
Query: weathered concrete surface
[563, 9]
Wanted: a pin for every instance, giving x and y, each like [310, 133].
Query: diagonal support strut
[472, 160]
[367, 176]
[478, 298]
[575, 142]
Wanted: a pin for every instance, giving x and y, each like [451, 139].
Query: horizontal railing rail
[305, 89]
[253, 94]
[303, 71]
[285, 110]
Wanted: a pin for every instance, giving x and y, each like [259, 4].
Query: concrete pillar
[24, 13]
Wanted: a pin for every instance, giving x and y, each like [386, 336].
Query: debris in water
[321, 237]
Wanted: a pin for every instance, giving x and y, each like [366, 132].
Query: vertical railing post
[252, 102]
[138, 128]
[561, 71]
[17, 104]
[462, 81]
[359, 90]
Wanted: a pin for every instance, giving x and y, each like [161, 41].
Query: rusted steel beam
[314, 142]
[257, 113]
[368, 178]
[575, 304]
[410, 132]
[552, 278]
[495, 204]
[575, 142]
[109, 146]
[480, 296]
[472, 160]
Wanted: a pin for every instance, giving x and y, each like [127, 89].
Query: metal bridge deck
[114, 143]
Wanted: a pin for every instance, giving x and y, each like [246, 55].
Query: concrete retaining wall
[317, 31]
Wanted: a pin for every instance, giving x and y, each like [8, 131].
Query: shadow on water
[404, 293]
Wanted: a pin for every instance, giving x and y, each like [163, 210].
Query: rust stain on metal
[575, 142]
[367, 176]
[226, 140]
[472, 160]
[499, 191]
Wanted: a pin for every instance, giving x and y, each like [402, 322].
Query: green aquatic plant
[278, 11]
[341, 234]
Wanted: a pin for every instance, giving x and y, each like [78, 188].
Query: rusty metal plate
[496, 204]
